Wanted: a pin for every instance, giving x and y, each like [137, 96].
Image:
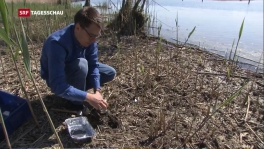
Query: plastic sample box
[15, 111]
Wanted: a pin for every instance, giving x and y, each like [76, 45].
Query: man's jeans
[77, 74]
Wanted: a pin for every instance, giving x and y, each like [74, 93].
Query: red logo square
[24, 12]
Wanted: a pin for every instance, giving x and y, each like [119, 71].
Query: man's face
[89, 34]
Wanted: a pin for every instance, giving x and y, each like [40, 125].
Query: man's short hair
[88, 15]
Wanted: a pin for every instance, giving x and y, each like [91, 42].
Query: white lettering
[46, 12]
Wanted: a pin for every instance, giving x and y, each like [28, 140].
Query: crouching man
[69, 61]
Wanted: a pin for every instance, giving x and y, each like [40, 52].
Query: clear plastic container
[103, 111]
[79, 128]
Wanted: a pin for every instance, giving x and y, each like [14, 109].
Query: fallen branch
[254, 133]
[65, 111]
[218, 74]
[34, 143]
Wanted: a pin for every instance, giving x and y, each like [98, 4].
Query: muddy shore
[159, 99]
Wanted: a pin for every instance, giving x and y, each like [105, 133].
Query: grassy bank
[164, 95]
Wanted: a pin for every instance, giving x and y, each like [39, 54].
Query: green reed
[17, 31]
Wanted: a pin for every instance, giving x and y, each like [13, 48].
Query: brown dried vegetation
[150, 109]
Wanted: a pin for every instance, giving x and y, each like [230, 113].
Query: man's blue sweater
[61, 48]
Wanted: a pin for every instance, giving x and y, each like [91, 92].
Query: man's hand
[96, 100]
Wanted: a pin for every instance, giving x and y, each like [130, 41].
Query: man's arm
[92, 58]
[56, 64]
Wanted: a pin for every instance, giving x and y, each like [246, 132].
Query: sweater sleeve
[56, 64]
[92, 59]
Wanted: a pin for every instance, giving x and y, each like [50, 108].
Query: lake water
[217, 24]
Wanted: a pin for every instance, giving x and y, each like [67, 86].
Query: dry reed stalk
[135, 65]
[218, 74]
[246, 117]
[4, 130]
[176, 128]
[23, 88]
[254, 133]
[196, 79]
[34, 53]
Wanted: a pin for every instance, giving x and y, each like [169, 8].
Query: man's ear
[77, 27]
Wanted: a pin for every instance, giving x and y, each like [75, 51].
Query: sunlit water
[217, 24]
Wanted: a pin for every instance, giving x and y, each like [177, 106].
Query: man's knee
[83, 66]
[107, 74]
[77, 67]
[111, 73]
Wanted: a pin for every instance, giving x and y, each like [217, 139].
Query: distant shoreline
[233, 0]
[54, 1]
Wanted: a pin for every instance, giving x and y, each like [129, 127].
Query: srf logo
[24, 12]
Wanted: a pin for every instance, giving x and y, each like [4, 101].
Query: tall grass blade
[4, 36]
[232, 96]
[159, 44]
[190, 34]
[13, 42]
[228, 73]
[16, 53]
[241, 29]
[26, 58]
[231, 49]
[3, 10]
[10, 45]
[239, 36]
[160, 38]
[14, 57]
[222, 105]
[176, 21]
[24, 50]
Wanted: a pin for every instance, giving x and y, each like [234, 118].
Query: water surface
[217, 24]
